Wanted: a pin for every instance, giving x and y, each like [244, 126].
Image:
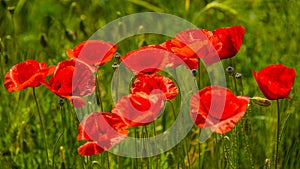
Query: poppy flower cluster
[74, 79]
[71, 79]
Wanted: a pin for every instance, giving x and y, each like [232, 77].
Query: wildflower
[93, 52]
[29, 73]
[207, 111]
[139, 109]
[102, 131]
[275, 81]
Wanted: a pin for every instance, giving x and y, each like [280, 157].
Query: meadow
[44, 30]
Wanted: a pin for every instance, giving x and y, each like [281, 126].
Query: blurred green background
[44, 30]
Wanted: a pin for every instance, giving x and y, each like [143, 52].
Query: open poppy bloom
[275, 81]
[102, 131]
[231, 39]
[192, 44]
[29, 73]
[147, 83]
[218, 108]
[93, 52]
[139, 109]
[72, 80]
[147, 59]
[210, 46]
[182, 55]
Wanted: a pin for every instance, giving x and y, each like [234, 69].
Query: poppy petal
[90, 148]
[148, 83]
[139, 109]
[93, 52]
[148, 59]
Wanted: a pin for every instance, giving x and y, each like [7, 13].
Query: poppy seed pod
[238, 75]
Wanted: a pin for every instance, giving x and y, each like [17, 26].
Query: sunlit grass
[43, 30]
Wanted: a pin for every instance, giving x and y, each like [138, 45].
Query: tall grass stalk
[277, 134]
[42, 125]
[61, 133]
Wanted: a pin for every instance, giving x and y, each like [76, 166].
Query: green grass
[44, 30]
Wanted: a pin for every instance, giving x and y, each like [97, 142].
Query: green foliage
[44, 30]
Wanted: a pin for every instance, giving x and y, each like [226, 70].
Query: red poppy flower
[93, 52]
[275, 81]
[231, 39]
[72, 80]
[148, 83]
[192, 44]
[102, 131]
[139, 109]
[217, 107]
[29, 73]
[210, 46]
[147, 59]
[177, 57]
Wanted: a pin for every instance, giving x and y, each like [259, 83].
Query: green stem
[60, 135]
[199, 70]
[235, 86]
[277, 134]
[42, 125]
[199, 158]
[117, 98]
[241, 83]
[225, 140]
[136, 159]
[154, 132]
[185, 141]
[99, 92]
[107, 156]
[173, 109]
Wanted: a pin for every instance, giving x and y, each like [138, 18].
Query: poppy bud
[194, 72]
[261, 101]
[115, 65]
[267, 163]
[44, 40]
[230, 69]
[71, 35]
[238, 75]
[62, 157]
[11, 9]
[117, 55]
[61, 101]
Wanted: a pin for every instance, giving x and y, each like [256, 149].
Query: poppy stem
[135, 160]
[241, 84]
[42, 125]
[99, 92]
[199, 157]
[277, 134]
[173, 108]
[60, 135]
[107, 156]
[199, 71]
[154, 132]
[185, 141]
